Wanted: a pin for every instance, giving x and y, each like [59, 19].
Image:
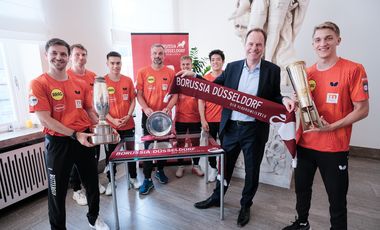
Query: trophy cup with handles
[103, 132]
[308, 111]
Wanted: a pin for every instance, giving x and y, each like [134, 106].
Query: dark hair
[328, 25]
[259, 30]
[113, 54]
[57, 41]
[79, 46]
[218, 52]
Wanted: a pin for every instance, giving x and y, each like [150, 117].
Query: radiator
[22, 173]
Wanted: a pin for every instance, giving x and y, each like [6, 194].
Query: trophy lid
[159, 124]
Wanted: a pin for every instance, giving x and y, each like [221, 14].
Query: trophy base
[103, 139]
[103, 134]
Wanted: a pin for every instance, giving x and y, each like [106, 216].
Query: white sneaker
[102, 189]
[180, 171]
[197, 170]
[212, 175]
[80, 197]
[99, 225]
[225, 181]
[135, 183]
[109, 189]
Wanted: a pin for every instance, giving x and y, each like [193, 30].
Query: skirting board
[356, 151]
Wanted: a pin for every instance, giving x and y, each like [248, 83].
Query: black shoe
[210, 202]
[298, 225]
[244, 215]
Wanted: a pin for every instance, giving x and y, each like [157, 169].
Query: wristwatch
[74, 135]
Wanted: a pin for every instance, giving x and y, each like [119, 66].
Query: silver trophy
[159, 124]
[103, 133]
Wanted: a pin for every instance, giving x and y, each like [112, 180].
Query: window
[20, 62]
[22, 28]
[7, 115]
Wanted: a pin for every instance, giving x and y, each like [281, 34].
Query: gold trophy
[308, 112]
[103, 132]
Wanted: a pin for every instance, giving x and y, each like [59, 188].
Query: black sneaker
[298, 225]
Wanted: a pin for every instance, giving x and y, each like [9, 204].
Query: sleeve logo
[33, 100]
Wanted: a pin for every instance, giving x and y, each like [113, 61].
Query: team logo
[33, 100]
[111, 90]
[125, 97]
[365, 87]
[312, 84]
[59, 107]
[181, 44]
[57, 94]
[151, 79]
[365, 84]
[342, 167]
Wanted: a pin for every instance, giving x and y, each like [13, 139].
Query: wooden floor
[171, 206]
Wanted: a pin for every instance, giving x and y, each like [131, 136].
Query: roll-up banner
[176, 45]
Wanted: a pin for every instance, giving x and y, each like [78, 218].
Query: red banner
[164, 153]
[176, 45]
[259, 108]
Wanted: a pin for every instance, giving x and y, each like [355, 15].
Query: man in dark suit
[261, 78]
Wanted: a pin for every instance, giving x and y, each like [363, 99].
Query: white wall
[87, 22]
[207, 23]
[209, 28]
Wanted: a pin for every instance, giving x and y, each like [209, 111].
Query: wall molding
[364, 152]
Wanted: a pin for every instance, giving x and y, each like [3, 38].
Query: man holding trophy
[63, 106]
[339, 89]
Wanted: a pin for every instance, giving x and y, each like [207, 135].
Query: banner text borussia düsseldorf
[256, 107]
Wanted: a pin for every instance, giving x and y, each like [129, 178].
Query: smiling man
[62, 104]
[240, 132]
[340, 91]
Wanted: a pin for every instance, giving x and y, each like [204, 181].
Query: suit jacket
[269, 88]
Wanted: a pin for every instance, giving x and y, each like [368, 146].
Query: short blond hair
[186, 57]
[327, 25]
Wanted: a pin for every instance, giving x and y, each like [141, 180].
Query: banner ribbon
[256, 107]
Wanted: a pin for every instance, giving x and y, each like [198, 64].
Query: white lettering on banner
[174, 51]
[156, 151]
[196, 85]
[236, 97]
